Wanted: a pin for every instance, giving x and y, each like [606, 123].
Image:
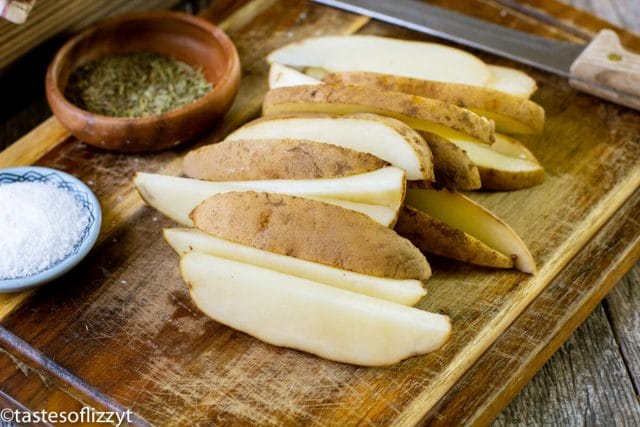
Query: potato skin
[498, 180]
[373, 100]
[311, 230]
[437, 237]
[452, 166]
[528, 115]
[241, 160]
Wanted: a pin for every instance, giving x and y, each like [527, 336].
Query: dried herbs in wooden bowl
[143, 81]
[136, 84]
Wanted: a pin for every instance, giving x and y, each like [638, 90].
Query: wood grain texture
[585, 360]
[123, 323]
[621, 307]
[604, 396]
[49, 18]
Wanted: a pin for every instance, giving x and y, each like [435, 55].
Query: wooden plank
[123, 323]
[49, 18]
[621, 307]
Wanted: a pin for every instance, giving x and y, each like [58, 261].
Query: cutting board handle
[607, 70]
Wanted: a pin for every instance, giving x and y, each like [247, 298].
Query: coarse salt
[40, 225]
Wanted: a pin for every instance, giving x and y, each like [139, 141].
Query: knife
[602, 68]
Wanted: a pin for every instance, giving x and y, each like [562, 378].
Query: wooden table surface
[595, 375]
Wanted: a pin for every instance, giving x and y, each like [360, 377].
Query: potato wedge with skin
[419, 113]
[405, 292]
[464, 214]
[311, 230]
[437, 237]
[499, 171]
[452, 167]
[377, 194]
[511, 81]
[429, 61]
[282, 76]
[511, 114]
[386, 138]
[288, 311]
[276, 159]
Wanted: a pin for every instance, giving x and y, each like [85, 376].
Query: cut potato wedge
[452, 166]
[511, 114]
[499, 171]
[251, 159]
[281, 76]
[311, 230]
[429, 61]
[297, 313]
[439, 238]
[466, 215]
[511, 81]
[419, 113]
[383, 137]
[405, 292]
[377, 194]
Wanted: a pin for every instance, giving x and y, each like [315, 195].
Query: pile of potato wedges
[307, 227]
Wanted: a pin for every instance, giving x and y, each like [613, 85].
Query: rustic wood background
[596, 373]
[594, 376]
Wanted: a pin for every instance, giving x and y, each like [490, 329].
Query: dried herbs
[135, 84]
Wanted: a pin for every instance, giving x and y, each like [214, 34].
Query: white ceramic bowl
[80, 192]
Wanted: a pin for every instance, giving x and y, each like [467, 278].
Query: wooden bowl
[178, 35]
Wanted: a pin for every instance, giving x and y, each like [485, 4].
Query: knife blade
[602, 67]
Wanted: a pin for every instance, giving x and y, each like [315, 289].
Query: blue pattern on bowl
[82, 194]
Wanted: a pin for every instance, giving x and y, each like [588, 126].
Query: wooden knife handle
[605, 69]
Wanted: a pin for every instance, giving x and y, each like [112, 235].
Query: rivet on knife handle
[605, 69]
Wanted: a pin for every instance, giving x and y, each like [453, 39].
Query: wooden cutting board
[121, 332]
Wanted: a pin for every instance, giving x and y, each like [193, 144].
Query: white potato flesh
[292, 312]
[364, 134]
[377, 194]
[464, 214]
[405, 292]
[429, 61]
[281, 76]
[486, 156]
[511, 81]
